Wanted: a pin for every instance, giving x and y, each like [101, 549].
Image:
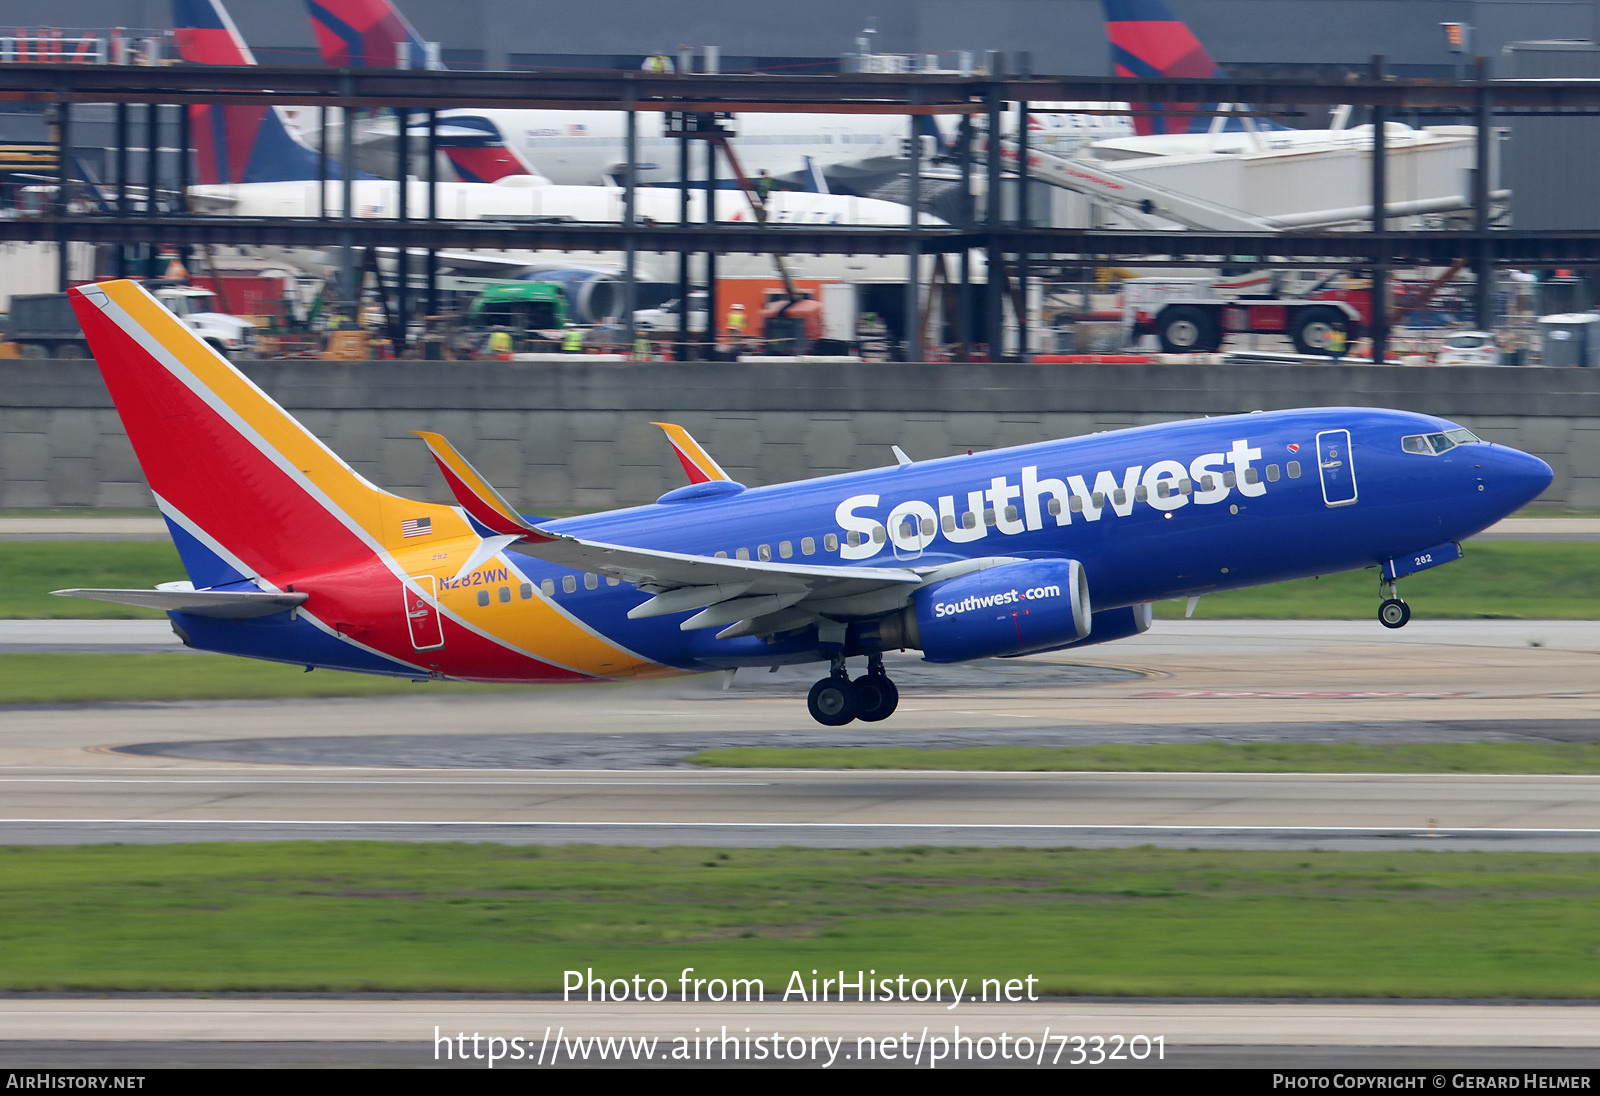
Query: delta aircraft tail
[371, 34]
[363, 34]
[1149, 40]
[235, 144]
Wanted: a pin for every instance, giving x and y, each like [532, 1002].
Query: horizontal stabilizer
[228, 604]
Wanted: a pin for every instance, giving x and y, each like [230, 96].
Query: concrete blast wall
[578, 436]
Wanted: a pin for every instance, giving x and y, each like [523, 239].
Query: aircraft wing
[752, 597]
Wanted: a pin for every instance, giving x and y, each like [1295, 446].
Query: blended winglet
[697, 463]
[481, 501]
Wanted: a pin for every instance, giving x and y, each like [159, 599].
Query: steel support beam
[1380, 222]
[1483, 257]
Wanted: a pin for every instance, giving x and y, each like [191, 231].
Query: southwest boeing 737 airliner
[295, 558]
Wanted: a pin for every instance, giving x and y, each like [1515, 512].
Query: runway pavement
[607, 764]
[419, 1031]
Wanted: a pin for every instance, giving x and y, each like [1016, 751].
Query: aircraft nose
[1515, 478]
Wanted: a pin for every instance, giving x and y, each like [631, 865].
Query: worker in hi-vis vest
[1335, 342]
[500, 344]
[736, 322]
[573, 342]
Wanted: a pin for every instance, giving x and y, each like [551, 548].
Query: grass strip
[1520, 580]
[425, 917]
[1529, 580]
[1206, 757]
[30, 569]
[188, 675]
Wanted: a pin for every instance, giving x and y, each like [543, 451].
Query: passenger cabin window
[830, 543]
[1011, 513]
[1185, 486]
[949, 523]
[927, 527]
[613, 581]
[808, 546]
[1141, 493]
[1229, 479]
[1054, 507]
[764, 553]
[742, 553]
[590, 580]
[548, 586]
[1098, 498]
[569, 583]
[879, 534]
[969, 520]
[1252, 476]
[854, 539]
[720, 555]
[483, 597]
[785, 549]
[1272, 473]
[527, 591]
[1076, 505]
[1294, 469]
[988, 517]
[505, 595]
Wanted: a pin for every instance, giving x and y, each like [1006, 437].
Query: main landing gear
[1392, 613]
[836, 700]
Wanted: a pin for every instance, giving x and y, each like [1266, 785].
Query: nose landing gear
[1392, 613]
[836, 700]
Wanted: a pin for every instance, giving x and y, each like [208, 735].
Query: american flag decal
[416, 527]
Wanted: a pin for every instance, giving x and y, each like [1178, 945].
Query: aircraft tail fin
[816, 181]
[235, 144]
[476, 149]
[364, 34]
[1148, 39]
[246, 490]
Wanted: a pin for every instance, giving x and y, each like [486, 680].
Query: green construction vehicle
[536, 314]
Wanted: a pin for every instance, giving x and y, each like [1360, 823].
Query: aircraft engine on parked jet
[594, 296]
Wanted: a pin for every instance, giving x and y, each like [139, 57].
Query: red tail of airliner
[234, 144]
[1148, 40]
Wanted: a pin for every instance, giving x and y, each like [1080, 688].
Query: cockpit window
[1433, 444]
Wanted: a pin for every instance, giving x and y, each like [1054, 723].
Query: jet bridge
[1127, 191]
[1135, 195]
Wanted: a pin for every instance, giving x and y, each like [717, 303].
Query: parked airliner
[294, 557]
[251, 165]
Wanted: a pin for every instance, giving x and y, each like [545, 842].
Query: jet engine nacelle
[1108, 624]
[593, 296]
[1013, 609]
